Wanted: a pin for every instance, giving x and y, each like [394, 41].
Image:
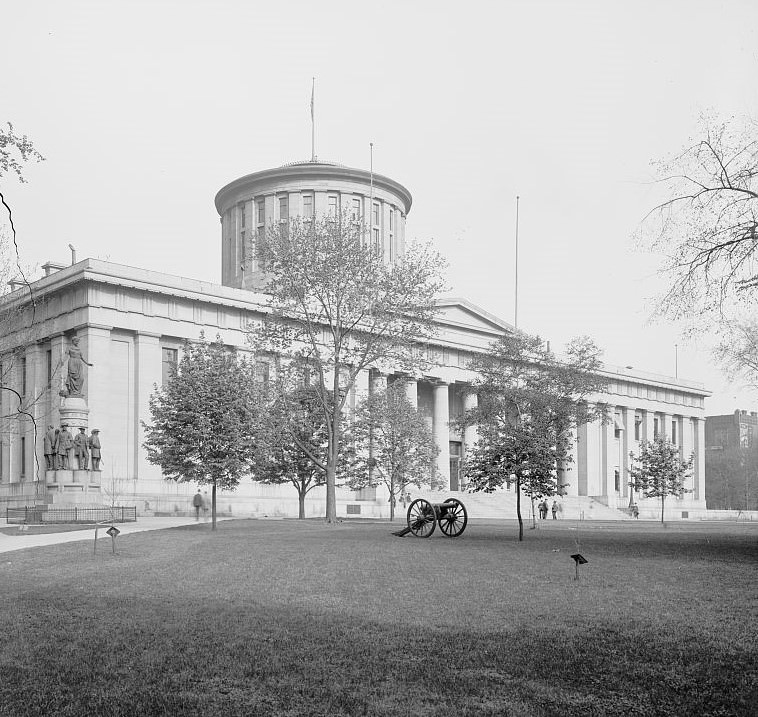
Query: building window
[356, 211]
[673, 433]
[49, 363]
[617, 480]
[656, 427]
[392, 220]
[261, 210]
[308, 206]
[333, 204]
[637, 424]
[243, 216]
[375, 214]
[376, 239]
[23, 456]
[23, 376]
[170, 360]
[261, 372]
[283, 209]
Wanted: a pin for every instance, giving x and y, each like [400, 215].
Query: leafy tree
[393, 444]
[278, 455]
[518, 453]
[659, 470]
[732, 478]
[339, 307]
[205, 418]
[15, 151]
[530, 403]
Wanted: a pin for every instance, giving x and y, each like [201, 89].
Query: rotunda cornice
[317, 170]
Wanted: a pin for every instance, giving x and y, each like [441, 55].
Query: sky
[144, 110]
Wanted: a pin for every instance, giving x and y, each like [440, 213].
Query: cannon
[424, 516]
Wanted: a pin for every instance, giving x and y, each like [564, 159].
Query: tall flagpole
[313, 121]
[515, 306]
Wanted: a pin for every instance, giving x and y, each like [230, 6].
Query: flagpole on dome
[313, 121]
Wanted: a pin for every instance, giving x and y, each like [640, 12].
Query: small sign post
[578, 560]
[113, 531]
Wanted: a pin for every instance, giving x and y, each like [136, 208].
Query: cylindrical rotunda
[305, 189]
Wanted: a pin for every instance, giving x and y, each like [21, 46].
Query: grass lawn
[300, 618]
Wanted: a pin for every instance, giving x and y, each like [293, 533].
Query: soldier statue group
[58, 444]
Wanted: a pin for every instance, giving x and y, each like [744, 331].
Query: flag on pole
[313, 90]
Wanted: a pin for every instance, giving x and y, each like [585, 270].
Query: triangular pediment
[463, 314]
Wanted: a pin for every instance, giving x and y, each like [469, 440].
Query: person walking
[197, 503]
[555, 510]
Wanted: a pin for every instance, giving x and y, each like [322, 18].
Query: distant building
[731, 461]
[132, 323]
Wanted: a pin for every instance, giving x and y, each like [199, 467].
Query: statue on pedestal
[65, 444]
[94, 446]
[49, 443]
[81, 449]
[75, 373]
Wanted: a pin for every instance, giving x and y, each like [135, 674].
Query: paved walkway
[26, 540]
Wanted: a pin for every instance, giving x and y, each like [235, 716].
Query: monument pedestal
[74, 487]
[74, 413]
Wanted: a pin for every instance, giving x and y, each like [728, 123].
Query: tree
[707, 227]
[338, 307]
[659, 470]
[278, 455]
[732, 472]
[530, 402]
[204, 419]
[16, 322]
[393, 444]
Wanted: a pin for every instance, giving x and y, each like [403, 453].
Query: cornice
[316, 171]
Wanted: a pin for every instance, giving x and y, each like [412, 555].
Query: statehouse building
[132, 322]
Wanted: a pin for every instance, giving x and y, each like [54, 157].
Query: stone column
[470, 432]
[648, 424]
[569, 475]
[698, 474]
[35, 404]
[441, 433]
[378, 381]
[688, 448]
[411, 388]
[627, 443]
[149, 371]
[608, 459]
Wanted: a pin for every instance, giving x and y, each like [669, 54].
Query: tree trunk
[331, 468]
[534, 517]
[518, 511]
[301, 503]
[392, 499]
[663, 502]
[213, 506]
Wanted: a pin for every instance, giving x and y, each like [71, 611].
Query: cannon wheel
[422, 519]
[453, 520]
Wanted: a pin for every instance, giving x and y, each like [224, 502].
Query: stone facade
[133, 322]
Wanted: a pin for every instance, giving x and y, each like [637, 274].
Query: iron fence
[36, 515]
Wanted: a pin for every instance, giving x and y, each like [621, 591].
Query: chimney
[73, 254]
[51, 267]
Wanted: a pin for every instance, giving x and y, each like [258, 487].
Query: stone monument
[74, 411]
